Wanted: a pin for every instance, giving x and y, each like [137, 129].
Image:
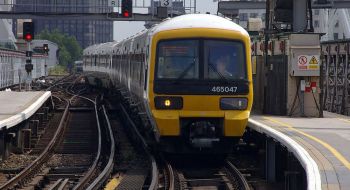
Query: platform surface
[326, 139]
[16, 107]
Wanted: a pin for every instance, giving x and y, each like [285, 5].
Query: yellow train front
[190, 74]
[201, 83]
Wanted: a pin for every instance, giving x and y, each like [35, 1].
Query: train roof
[198, 21]
[180, 22]
[106, 47]
[99, 48]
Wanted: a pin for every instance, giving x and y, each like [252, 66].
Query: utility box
[255, 24]
[305, 53]
[290, 77]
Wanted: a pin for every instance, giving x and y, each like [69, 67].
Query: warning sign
[302, 60]
[308, 62]
[313, 61]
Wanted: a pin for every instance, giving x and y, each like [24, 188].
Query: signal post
[28, 36]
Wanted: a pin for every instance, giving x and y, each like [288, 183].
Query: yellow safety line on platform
[112, 184]
[346, 120]
[337, 154]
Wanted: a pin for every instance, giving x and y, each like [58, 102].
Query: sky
[124, 29]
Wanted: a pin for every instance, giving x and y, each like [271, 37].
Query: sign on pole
[113, 3]
[166, 3]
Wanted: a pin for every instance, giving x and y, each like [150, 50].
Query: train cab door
[95, 60]
[129, 69]
[146, 74]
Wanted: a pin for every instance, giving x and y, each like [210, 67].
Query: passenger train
[192, 77]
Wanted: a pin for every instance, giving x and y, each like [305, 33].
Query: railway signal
[29, 53]
[28, 31]
[28, 66]
[126, 8]
[46, 48]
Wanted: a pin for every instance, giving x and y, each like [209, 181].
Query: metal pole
[19, 79]
[28, 81]
[321, 86]
[195, 6]
[266, 42]
[299, 15]
[270, 160]
[45, 67]
[302, 105]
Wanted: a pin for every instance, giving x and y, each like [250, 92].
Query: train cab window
[178, 59]
[224, 60]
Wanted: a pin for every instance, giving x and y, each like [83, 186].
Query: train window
[224, 59]
[178, 59]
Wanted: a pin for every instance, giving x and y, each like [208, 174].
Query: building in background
[7, 39]
[335, 23]
[87, 32]
[38, 46]
[245, 14]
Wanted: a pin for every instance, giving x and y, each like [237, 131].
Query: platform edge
[308, 163]
[25, 114]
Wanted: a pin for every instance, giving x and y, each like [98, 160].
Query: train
[191, 76]
[78, 65]
[12, 67]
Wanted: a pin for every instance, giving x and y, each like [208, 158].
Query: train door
[128, 56]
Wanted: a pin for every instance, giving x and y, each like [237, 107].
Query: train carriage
[190, 74]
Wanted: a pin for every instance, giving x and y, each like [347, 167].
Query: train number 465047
[224, 89]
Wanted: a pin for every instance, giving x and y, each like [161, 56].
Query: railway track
[225, 176]
[74, 157]
[165, 175]
[36, 167]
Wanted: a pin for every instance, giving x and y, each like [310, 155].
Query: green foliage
[58, 70]
[69, 48]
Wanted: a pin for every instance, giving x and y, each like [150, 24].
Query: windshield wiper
[211, 66]
[184, 72]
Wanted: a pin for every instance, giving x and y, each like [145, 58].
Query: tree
[69, 48]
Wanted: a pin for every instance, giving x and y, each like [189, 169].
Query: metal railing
[336, 76]
[89, 6]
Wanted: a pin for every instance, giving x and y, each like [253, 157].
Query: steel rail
[171, 176]
[243, 184]
[155, 174]
[58, 82]
[92, 169]
[38, 162]
[56, 184]
[98, 182]
[155, 171]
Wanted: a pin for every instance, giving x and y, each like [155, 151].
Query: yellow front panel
[167, 122]
[235, 123]
[200, 105]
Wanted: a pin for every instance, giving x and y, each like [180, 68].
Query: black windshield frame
[202, 63]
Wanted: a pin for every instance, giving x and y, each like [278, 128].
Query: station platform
[16, 107]
[326, 140]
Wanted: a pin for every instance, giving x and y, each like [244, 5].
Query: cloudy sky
[125, 29]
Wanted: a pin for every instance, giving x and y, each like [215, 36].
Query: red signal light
[126, 8]
[28, 37]
[28, 31]
[126, 14]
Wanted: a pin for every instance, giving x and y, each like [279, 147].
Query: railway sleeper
[34, 183]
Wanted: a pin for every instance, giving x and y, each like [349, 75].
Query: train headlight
[233, 103]
[168, 103]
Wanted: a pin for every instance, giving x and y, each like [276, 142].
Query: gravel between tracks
[70, 160]
[17, 161]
